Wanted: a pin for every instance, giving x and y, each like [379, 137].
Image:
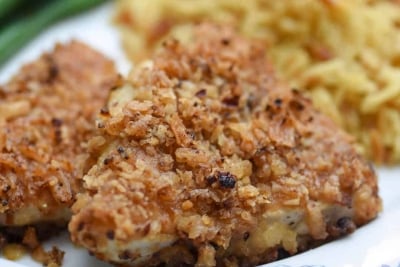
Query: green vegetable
[8, 6]
[19, 33]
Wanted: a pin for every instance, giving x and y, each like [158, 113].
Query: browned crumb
[52, 258]
[47, 113]
[206, 158]
[17, 244]
[30, 238]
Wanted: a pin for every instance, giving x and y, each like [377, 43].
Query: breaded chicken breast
[204, 158]
[47, 113]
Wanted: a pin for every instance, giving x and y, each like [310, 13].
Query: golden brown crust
[323, 47]
[47, 112]
[205, 146]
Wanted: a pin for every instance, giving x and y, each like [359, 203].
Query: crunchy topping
[207, 171]
[49, 109]
[52, 258]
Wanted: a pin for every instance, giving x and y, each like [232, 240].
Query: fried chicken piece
[206, 159]
[47, 113]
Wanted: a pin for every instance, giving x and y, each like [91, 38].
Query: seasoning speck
[346, 225]
[107, 160]
[278, 102]
[110, 234]
[125, 255]
[81, 226]
[231, 101]
[226, 180]
[100, 125]
[120, 150]
[225, 41]
[56, 122]
[246, 236]
[6, 188]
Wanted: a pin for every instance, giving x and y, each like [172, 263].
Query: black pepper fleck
[345, 223]
[278, 102]
[246, 236]
[81, 226]
[282, 253]
[120, 150]
[100, 125]
[226, 180]
[231, 101]
[107, 160]
[125, 255]
[4, 202]
[56, 122]
[6, 188]
[110, 234]
[225, 41]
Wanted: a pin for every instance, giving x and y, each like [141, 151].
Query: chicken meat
[47, 114]
[205, 158]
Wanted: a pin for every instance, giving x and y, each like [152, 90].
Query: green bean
[8, 6]
[19, 33]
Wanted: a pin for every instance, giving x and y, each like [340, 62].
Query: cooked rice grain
[345, 53]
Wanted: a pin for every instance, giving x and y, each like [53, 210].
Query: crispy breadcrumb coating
[205, 158]
[47, 113]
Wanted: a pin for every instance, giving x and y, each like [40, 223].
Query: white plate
[374, 245]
